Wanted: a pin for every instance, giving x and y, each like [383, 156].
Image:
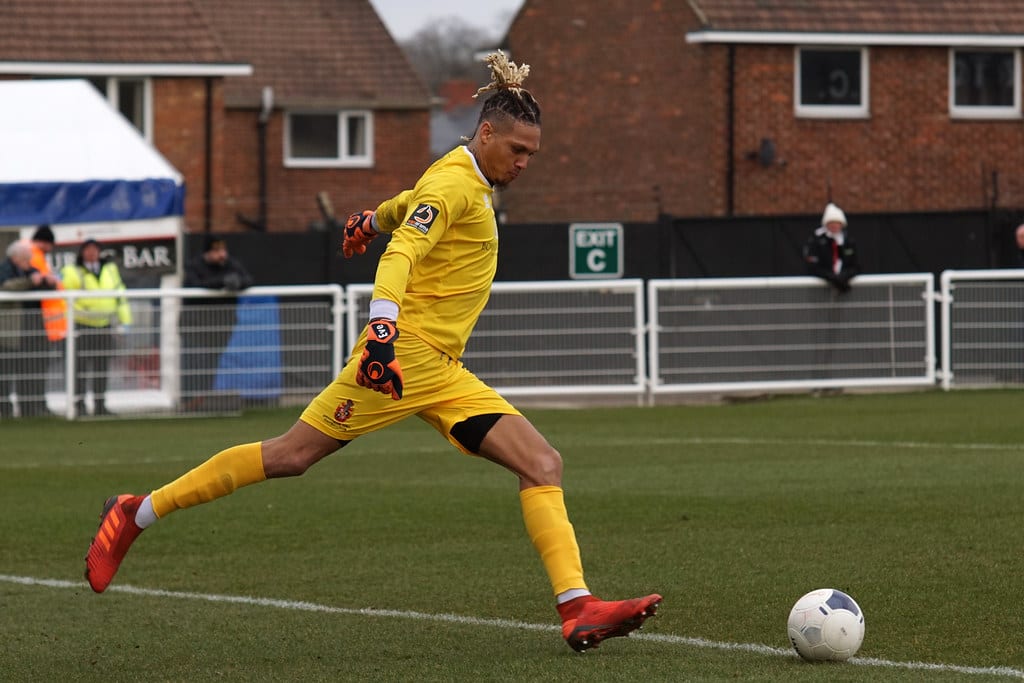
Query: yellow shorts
[438, 389]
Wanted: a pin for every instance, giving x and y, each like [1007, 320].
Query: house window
[831, 82]
[339, 139]
[132, 97]
[984, 83]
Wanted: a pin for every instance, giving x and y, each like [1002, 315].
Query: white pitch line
[303, 606]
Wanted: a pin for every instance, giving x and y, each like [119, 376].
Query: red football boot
[596, 620]
[116, 533]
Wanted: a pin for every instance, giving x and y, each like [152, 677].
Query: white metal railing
[551, 339]
[564, 338]
[782, 333]
[982, 327]
[263, 342]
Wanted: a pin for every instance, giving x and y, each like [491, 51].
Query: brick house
[260, 104]
[717, 108]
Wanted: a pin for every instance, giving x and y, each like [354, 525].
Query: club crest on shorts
[344, 411]
[422, 218]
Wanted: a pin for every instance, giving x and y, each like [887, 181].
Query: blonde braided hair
[510, 101]
[505, 74]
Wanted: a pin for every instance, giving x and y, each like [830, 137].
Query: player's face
[506, 151]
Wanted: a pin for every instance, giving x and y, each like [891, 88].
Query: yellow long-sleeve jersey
[443, 253]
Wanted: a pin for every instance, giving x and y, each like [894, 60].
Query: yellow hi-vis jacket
[101, 311]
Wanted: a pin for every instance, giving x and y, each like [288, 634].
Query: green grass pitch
[399, 559]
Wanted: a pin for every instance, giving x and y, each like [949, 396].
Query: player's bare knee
[283, 457]
[546, 467]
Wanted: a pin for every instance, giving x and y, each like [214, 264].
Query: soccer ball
[826, 624]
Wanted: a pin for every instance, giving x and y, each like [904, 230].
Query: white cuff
[383, 308]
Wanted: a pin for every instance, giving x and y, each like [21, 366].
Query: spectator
[95, 320]
[53, 316]
[207, 323]
[21, 328]
[54, 311]
[830, 253]
[1020, 245]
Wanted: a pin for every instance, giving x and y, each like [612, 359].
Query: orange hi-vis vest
[55, 311]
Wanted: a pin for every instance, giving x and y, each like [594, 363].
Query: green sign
[595, 250]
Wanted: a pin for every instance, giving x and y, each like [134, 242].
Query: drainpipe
[208, 162]
[266, 109]
[730, 104]
[267, 102]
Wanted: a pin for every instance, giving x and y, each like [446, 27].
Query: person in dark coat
[207, 323]
[830, 253]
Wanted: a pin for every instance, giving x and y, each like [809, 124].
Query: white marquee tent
[66, 156]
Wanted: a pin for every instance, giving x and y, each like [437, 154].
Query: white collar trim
[479, 173]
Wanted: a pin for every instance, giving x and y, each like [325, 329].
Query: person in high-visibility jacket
[96, 320]
[42, 340]
[54, 310]
[22, 365]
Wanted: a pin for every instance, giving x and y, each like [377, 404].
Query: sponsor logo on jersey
[422, 218]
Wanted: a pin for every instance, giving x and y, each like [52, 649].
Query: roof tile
[954, 17]
[111, 31]
[312, 52]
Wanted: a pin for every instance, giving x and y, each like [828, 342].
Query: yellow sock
[230, 469]
[547, 523]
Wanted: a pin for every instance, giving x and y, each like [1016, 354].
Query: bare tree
[447, 50]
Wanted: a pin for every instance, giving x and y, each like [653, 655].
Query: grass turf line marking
[503, 623]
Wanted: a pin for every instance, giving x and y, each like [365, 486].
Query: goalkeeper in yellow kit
[432, 282]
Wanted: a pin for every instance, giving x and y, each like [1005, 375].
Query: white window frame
[344, 159]
[114, 82]
[111, 85]
[962, 111]
[814, 111]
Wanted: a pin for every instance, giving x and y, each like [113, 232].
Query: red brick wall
[629, 106]
[401, 154]
[179, 133]
[622, 133]
[909, 155]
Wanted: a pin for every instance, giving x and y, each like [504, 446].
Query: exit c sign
[595, 250]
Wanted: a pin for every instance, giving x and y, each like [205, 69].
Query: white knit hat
[833, 213]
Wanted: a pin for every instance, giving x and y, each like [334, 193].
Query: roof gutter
[822, 38]
[121, 69]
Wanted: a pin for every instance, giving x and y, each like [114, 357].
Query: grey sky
[404, 17]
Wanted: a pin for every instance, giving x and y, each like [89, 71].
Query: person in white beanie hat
[830, 253]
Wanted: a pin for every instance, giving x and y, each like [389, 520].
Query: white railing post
[70, 366]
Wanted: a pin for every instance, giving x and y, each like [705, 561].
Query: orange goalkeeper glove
[378, 368]
[359, 232]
